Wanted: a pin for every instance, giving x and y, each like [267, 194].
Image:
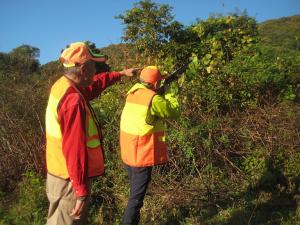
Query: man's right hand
[130, 72]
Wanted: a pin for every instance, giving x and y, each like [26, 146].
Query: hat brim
[96, 56]
[102, 59]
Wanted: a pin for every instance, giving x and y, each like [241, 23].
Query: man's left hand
[78, 209]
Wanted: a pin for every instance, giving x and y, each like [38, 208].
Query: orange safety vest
[56, 162]
[141, 144]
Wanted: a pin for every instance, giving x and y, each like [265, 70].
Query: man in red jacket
[73, 150]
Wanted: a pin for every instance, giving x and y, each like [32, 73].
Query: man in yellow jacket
[142, 136]
[73, 149]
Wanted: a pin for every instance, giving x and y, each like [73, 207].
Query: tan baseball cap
[78, 53]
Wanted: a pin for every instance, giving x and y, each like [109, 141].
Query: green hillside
[234, 151]
[283, 33]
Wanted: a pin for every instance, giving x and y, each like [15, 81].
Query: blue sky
[52, 24]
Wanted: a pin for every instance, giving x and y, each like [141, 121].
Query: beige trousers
[62, 200]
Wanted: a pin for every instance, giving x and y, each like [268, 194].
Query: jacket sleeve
[71, 115]
[100, 83]
[165, 107]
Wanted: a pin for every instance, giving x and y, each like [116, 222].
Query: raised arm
[103, 80]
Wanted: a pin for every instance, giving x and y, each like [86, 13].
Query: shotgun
[173, 76]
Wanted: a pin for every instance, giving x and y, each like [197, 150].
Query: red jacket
[71, 114]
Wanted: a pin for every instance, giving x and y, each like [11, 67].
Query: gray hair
[72, 70]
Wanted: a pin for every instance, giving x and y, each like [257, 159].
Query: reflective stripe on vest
[141, 144]
[56, 163]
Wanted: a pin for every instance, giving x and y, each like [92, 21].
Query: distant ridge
[282, 33]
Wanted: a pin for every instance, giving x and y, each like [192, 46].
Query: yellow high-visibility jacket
[143, 144]
[56, 162]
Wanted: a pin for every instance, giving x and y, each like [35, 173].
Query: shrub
[30, 206]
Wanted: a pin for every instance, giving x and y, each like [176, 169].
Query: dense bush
[234, 152]
[30, 202]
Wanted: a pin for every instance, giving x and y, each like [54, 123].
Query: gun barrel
[173, 76]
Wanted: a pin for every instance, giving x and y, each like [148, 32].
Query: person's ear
[156, 85]
[82, 69]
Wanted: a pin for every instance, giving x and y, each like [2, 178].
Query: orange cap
[150, 74]
[79, 53]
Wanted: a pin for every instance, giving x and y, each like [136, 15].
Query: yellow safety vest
[56, 162]
[141, 144]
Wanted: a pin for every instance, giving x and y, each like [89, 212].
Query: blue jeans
[139, 180]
